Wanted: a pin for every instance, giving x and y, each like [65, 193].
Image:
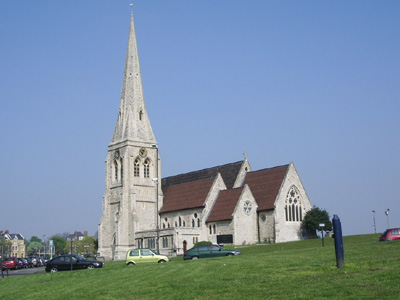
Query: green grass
[296, 270]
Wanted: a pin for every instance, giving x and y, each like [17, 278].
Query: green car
[205, 251]
[138, 256]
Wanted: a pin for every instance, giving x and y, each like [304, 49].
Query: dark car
[35, 261]
[63, 263]
[390, 235]
[28, 262]
[205, 251]
[12, 263]
[22, 263]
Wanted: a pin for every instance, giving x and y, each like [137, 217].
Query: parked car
[12, 263]
[28, 262]
[137, 256]
[205, 251]
[35, 261]
[63, 263]
[390, 235]
[22, 263]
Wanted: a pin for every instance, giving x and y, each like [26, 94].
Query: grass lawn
[296, 270]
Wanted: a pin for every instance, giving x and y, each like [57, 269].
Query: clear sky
[313, 82]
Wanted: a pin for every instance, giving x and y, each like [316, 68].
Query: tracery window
[293, 206]
[147, 168]
[136, 168]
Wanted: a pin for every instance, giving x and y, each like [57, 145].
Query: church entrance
[184, 246]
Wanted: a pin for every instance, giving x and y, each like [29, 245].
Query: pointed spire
[133, 123]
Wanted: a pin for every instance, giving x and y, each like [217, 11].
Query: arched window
[210, 229]
[163, 225]
[184, 224]
[192, 222]
[147, 168]
[293, 210]
[198, 222]
[214, 228]
[180, 222]
[136, 167]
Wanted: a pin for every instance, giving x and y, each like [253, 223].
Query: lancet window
[147, 168]
[293, 206]
[136, 168]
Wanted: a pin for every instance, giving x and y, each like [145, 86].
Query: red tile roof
[225, 205]
[265, 185]
[229, 172]
[186, 195]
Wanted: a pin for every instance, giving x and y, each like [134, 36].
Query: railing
[4, 269]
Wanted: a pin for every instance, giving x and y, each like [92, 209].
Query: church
[226, 204]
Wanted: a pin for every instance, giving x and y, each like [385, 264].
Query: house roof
[229, 172]
[225, 205]
[186, 195]
[265, 185]
[16, 235]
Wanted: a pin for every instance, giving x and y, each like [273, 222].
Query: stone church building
[227, 204]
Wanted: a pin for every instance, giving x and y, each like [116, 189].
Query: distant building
[17, 242]
[230, 203]
[77, 236]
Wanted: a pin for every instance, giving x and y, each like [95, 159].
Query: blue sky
[313, 82]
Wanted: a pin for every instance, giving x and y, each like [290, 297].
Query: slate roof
[16, 235]
[225, 205]
[265, 185]
[186, 195]
[229, 172]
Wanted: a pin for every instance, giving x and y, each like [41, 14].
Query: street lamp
[157, 181]
[387, 215]
[374, 221]
[44, 243]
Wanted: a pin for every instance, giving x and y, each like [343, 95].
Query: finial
[245, 154]
[131, 5]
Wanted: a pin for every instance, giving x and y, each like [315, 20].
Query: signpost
[322, 225]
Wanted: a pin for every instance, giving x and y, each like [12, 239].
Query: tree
[87, 245]
[312, 220]
[59, 244]
[34, 247]
[34, 238]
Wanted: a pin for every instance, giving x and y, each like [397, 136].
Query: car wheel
[53, 270]
[229, 254]
[90, 267]
[161, 261]
[194, 257]
[131, 264]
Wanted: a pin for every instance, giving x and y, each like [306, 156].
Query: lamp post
[156, 180]
[44, 243]
[387, 215]
[374, 221]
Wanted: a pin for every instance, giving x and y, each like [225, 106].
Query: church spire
[133, 123]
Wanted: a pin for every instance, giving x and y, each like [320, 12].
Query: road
[22, 272]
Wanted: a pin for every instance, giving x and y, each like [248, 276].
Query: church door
[184, 246]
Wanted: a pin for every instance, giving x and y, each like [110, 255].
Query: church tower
[132, 193]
